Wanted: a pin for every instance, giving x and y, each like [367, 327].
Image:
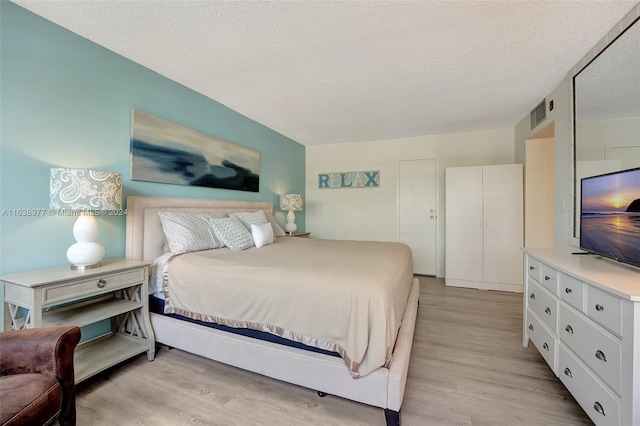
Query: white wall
[595, 136]
[370, 214]
[562, 117]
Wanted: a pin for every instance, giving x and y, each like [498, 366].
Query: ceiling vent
[538, 114]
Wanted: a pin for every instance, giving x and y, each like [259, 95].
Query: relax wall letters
[363, 179]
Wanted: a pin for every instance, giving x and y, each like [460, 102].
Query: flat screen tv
[610, 216]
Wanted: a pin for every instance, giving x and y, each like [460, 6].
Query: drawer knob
[531, 268]
[567, 372]
[600, 355]
[102, 284]
[547, 277]
[545, 346]
[533, 296]
[599, 307]
[598, 407]
[567, 290]
[569, 329]
[547, 311]
[531, 327]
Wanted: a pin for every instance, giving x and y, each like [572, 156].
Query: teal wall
[66, 102]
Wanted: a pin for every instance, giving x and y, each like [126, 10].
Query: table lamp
[291, 202]
[82, 193]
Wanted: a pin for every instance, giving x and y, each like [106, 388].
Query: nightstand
[298, 234]
[62, 296]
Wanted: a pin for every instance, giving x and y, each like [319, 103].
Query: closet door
[503, 225]
[463, 227]
[417, 215]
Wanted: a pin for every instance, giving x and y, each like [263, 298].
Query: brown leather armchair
[37, 383]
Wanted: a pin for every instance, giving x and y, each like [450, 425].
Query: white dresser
[583, 315]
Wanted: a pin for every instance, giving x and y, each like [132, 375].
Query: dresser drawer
[533, 268]
[544, 305]
[544, 340]
[600, 404]
[572, 291]
[605, 309]
[596, 347]
[549, 278]
[74, 290]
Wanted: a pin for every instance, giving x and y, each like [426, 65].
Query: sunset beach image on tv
[610, 215]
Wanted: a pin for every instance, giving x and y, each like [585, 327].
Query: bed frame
[326, 374]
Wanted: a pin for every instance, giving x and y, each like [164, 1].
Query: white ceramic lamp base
[86, 253]
[290, 227]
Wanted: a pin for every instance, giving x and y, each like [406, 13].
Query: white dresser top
[42, 277]
[621, 279]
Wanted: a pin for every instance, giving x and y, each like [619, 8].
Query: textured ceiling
[342, 71]
[609, 87]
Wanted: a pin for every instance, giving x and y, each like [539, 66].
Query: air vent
[538, 114]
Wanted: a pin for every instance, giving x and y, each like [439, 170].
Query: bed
[362, 381]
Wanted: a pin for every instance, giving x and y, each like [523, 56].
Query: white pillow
[262, 234]
[187, 232]
[232, 233]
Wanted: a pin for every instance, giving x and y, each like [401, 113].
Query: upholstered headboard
[144, 230]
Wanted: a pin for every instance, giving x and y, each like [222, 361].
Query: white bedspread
[342, 296]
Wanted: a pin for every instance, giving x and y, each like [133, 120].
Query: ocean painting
[610, 216]
[167, 152]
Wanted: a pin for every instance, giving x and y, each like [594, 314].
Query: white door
[463, 224]
[417, 212]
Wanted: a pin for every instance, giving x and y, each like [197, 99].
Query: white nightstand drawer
[600, 404]
[543, 339]
[572, 291]
[605, 309]
[549, 278]
[73, 290]
[544, 305]
[533, 268]
[596, 347]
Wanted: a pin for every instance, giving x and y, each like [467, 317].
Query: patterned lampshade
[291, 202]
[86, 190]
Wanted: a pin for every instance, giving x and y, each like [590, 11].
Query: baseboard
[483, 285]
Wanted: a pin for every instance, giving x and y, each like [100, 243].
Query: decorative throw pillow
[187, 232]
[232, 233]
[262, 234]
[277, 230]
[250, 218]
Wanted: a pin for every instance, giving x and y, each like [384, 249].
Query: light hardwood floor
[468, 367]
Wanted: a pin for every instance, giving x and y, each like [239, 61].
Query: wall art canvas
[167, 152]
